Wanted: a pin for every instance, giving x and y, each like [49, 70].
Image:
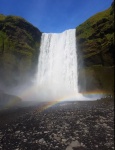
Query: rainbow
[67, 98]
[29, 92]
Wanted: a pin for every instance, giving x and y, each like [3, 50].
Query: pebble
[61, 128]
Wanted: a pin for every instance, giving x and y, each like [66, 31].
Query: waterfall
[57, 74]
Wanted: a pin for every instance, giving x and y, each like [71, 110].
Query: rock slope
[19, 49]
[95, 43]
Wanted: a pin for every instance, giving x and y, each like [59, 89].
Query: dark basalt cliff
[95, 43]
[19, 49]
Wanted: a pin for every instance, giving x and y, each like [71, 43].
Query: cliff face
[95, 43]
[19, 49]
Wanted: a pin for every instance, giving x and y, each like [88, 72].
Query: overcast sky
[54, 15]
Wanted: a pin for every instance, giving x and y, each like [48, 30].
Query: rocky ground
[65, 126]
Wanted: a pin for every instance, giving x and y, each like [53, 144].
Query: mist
[56, 77]
[57, 74]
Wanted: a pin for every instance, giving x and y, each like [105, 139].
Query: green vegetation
[95, 40]
[96, 37]
[19, 49]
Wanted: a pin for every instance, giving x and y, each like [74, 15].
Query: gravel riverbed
[64, 126]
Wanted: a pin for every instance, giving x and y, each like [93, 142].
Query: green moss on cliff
[19, 48]
[95, 41]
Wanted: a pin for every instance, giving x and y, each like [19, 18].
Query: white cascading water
[57, 76]
[57, 67]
